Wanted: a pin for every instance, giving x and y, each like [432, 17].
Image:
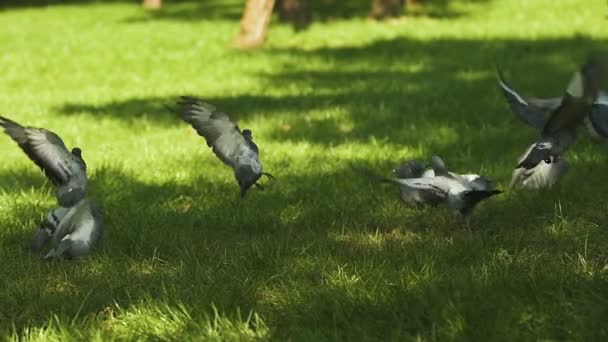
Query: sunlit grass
[320, 254]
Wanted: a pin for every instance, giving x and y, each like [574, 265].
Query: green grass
[321, 254]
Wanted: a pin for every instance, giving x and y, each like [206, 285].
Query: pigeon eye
[548, 160]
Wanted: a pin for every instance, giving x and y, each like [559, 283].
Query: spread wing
[46, 149]
[583, 91]
[410, 169]
[545, 104]
[429, 190]
[524, 111]
[221, 134]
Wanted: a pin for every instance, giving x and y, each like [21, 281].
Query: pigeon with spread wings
[232, 146]
[543, 163]
[596, 121]
[65, 169]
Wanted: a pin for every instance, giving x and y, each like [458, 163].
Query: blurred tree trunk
[152, 4]
[254, 24]
[297, 12]
[382, 9]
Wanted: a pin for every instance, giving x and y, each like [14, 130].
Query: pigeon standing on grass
[461, 193]
[65, 169]
[233, 147]
[543, 163]
[72, 232]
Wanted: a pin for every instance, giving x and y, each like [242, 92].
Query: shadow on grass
[441, 94]
[330, 250]
[322, 10]
[324, 248]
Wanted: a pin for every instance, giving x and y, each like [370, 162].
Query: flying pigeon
[596, 121]
[460, 193]
[543, 163]
[233, 147]
[65, 169]
[72, 232]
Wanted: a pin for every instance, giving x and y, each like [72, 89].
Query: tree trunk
[297, 12]
[152, 4]
[254, 24]
[382, 9]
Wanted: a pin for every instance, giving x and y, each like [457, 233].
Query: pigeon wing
[583, 90]
[43, 147]
[597, 120]
[221, 134]
[524, 111]
[425, 188]
[410, 169]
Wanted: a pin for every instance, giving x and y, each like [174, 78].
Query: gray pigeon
[460, 193]
[233, 147]
[72, 232]
[65, 169]
[543, 163]
[544, 175]
[416, 169]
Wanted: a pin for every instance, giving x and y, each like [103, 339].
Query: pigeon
[232, 146]
[65, 169]
[544, 175]
[596, 121]
[461, 193]
[416, 169]
[543, 163]
[72, 232]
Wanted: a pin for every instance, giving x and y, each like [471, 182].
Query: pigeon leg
[259, 186]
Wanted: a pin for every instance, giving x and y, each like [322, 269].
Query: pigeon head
[247, 134]
[410, 169]
[77, 152]
[246, 178]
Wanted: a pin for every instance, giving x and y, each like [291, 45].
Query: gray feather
[63, 168]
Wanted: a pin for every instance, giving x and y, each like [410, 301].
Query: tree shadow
[399, 91]
[330, 244]
[194, 11]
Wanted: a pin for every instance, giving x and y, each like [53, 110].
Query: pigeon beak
[40, 239]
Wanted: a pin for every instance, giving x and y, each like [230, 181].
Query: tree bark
[382, 9]
[254, 24]
[297, 12]
[152, 4]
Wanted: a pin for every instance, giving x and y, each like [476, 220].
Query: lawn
[321, 254]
